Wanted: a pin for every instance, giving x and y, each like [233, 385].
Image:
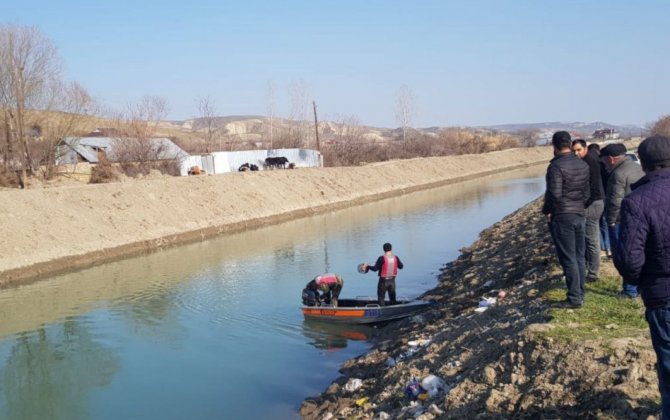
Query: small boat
[364, 311]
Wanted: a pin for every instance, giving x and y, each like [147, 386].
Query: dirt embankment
[50, 230]
[495, 364]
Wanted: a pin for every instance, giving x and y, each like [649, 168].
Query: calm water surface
[213, 329]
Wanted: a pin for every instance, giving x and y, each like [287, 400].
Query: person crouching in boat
[329, 284]
[387, 265]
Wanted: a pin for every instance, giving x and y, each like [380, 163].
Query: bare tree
[349, 145]
[349, 130]
[528, 137]
[404, 109]
[661, 126]
[75, 106]
[299, 94]
[135, 147]
[207, 115]
[270, 96]
[29, 65]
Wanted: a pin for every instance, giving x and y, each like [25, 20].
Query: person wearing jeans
[568, 189]
[642, 255]
[592, 235]
[567, 232]
[594, 208]
[604, 236]
[629, 290]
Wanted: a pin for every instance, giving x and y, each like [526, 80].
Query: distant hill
[585, 128]
[256, 127]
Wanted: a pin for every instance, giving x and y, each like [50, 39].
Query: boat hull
[358, 311]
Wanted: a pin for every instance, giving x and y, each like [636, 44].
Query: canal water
[213, 329]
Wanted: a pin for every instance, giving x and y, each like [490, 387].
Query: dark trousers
[592, 235]
[567, 232]
[659, 326]
[628, 289]
[383, 286]
[604, 235]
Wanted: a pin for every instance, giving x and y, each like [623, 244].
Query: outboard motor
[309, 297]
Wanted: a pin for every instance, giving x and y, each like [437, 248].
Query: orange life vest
[329, 279]
[390, 266]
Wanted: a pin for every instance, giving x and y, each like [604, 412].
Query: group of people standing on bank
[585, 190]
[585, 186]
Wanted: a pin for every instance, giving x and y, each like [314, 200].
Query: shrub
[661, 126]
[103, 172]
[8, 179]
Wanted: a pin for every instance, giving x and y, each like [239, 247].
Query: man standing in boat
[329, 284]
[387, 265]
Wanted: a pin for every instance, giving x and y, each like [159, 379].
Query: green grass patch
[604, 314]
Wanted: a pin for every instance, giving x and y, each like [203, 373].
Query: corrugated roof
[87, 147]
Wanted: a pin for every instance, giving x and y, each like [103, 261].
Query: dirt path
[51, 230]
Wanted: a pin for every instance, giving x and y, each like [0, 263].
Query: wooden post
[316, 127]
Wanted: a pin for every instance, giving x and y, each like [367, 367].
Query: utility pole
[316, 127]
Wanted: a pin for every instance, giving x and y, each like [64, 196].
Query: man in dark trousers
[623, 174]
[568, 189]
[605, 247]
[387, 265]
[594, 208]
[642, 255]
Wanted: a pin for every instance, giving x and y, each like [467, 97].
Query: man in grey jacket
[623, 173]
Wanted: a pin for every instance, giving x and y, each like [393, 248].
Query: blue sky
[467, 62]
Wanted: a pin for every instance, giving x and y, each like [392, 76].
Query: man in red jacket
[387, 265]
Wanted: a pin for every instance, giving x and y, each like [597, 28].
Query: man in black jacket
[594, 208]
[568, 189]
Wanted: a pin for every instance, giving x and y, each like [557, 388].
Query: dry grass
[8, 179]
[103, 172]
[447, 142]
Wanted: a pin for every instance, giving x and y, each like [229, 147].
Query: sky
[465, 62]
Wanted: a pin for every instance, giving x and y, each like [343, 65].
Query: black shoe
[566, 304]
[592, 279]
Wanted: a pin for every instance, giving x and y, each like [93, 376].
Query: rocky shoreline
[497, 363]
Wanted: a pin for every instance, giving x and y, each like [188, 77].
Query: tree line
[39, 107]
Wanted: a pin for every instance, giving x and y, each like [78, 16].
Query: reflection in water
[214, 329]
[28, 306]
[152, 316]
[50, 373]
[323, 335]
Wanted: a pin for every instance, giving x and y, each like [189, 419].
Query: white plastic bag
[353, 384]
[433, 385]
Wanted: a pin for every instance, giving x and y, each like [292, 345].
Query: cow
[278, 162]
[281, 162]
[247, 167]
